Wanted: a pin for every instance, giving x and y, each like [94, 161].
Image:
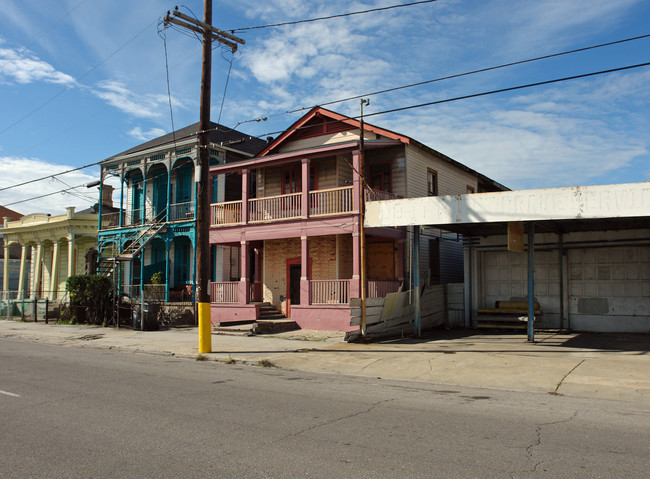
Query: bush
[89, 298]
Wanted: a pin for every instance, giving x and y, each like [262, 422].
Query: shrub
[89, 298]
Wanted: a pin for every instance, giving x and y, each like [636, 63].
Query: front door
[293, 284]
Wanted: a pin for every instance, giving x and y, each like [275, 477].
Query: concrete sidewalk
[608, 366]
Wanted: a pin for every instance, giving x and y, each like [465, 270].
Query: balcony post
[169, 189]
[304, 271]
[305, 189]
[121, 220]
[244, 283]
[355, 283]
[245, 182]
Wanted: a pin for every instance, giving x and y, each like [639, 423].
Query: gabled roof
[218, 134]
[11, 214]
[332, 122]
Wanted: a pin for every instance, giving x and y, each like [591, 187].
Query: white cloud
[150, 134]
[22, 67]
[116, 94]
[15, 170]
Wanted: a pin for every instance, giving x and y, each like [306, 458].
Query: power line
[330, 17]
[43, 196]
[459, 75]
[464, 97]
[50, 176]
[519, 87]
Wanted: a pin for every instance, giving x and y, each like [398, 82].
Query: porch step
[272, 321]
[267, 326]
[268, 312]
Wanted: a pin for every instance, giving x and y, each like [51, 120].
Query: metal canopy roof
[583, 208]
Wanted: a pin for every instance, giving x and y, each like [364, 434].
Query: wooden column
[305, 189]
[71, 256]
[37, 261]
[245, 183]
[304, 271]
[54, 274]
[244, 282]
[21, 278]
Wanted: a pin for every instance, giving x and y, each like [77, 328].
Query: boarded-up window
[381, 261]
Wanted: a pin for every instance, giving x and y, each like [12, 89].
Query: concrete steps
[272, 321]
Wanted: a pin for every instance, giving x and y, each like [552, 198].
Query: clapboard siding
[307, 143]
[451, 180]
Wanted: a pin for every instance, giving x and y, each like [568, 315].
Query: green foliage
[89, 298]
[157, 278]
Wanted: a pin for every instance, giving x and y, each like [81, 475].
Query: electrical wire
[54, 24]
[464, 97]
[45, 195]
[162, 34]
[330, 17]
[459, 75]
[225, 88]
[50, 176]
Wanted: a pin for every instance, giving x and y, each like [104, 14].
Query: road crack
[566, 375]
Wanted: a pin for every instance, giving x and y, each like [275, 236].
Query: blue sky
[82, 80]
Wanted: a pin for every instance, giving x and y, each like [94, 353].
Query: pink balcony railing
[379, 289]
[281, 207]
[330, 291]
[228, 213]
[224, 292]
[332, 201]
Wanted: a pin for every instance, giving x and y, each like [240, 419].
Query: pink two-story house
[291, 238]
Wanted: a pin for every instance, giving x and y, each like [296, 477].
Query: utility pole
[210, 34]
[362, 215]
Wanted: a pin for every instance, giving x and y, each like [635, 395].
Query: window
[469, 190]
[290, 180]
[432, 182]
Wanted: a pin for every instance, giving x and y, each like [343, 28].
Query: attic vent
[158, 157]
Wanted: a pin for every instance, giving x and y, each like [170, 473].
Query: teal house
[150, 234]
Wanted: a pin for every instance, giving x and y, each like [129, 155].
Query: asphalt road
[70, 412]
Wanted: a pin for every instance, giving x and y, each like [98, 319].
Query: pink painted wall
[325, 318]
[229, 313]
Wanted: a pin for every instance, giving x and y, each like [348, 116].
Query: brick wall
[322, 251]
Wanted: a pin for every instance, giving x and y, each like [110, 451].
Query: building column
[5, 271]
[305, 286]
[305, 189]
[168, 244]
[256, 278]
[122, 195]
[21, 278]
[244, 282]
[355, 284]
[37, 261]
[245, 182]
[54, 275]
[71, 256]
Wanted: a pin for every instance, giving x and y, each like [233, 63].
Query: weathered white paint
[593, 202]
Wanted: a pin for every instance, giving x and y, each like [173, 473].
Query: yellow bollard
[205, 328]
